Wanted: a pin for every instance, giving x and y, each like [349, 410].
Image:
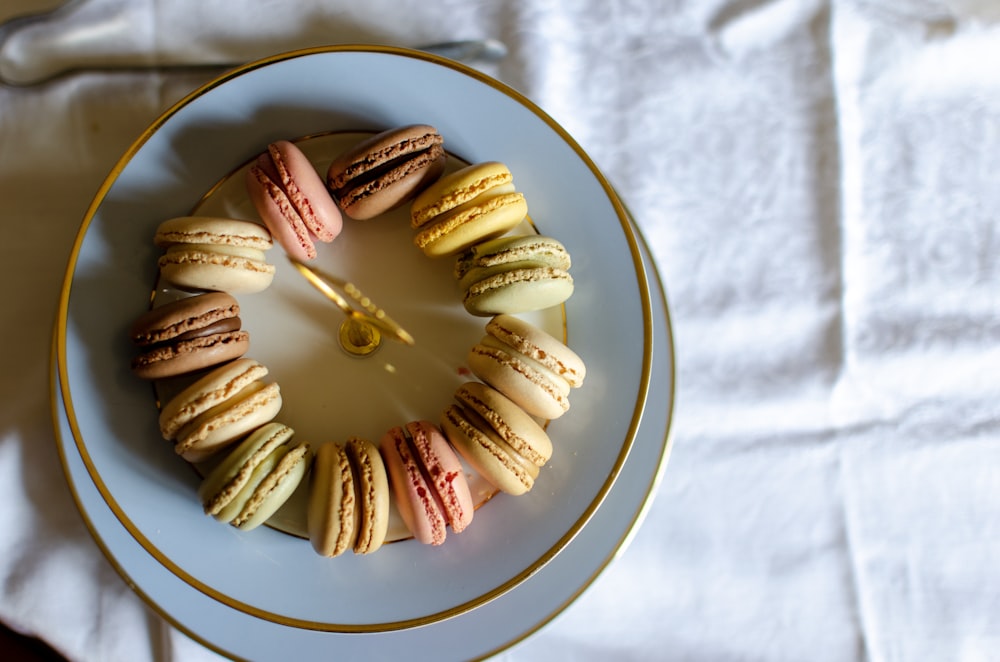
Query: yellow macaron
[470, 205]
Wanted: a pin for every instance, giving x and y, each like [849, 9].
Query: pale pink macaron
[292, 200]
[427, 480]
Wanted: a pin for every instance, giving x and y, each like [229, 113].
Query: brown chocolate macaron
[187, 335]
[386, 170]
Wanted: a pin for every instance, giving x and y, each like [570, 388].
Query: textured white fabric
[818, 180]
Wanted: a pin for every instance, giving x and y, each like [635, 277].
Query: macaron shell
[372, 486]
[514, 425]
[330, 513]
[539, 346]
[275, 489]
[414, 500]
[208, 391]
[518, 291]
[484, 218]
[212, 230]
[445, 471]
[223, 268]
[189, 355]
[218, 427]
[534, 249]
[457, 188]
[486, 453]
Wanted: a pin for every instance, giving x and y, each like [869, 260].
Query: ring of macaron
[228, 413]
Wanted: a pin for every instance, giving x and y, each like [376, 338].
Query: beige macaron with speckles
[348, 505]
[528, 365]
[218, 408]
[256, 478]
[496, 437]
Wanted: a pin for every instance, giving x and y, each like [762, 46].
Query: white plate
[269, 574]
[489, 629]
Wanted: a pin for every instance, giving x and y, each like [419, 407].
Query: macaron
[188, 334]
[427, 481]
[292, 200]
[468, 206]
[256, 478]
[528, 365]
[498, 439]
[514, 274]
[386, 170]
[222, 254]
[218, 408]
[348, 504]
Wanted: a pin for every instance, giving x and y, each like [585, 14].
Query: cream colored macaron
[220, 254]
[219, 408]
[256, 478]
[529, 366]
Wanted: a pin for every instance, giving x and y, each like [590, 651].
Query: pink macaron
[292, 200]
[427, 480]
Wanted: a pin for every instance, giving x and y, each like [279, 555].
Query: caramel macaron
[386, 170]
[188, 334]
[470, 205]
[498, 439]
[348, 505]
[529, 366]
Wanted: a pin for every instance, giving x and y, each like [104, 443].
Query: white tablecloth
[820, 184]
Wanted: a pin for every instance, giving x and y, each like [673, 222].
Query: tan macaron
[496, 437]
[256, 478]
[348, 499]
[219, 408]
[529, 366]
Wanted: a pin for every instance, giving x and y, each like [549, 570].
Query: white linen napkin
[817, 181]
